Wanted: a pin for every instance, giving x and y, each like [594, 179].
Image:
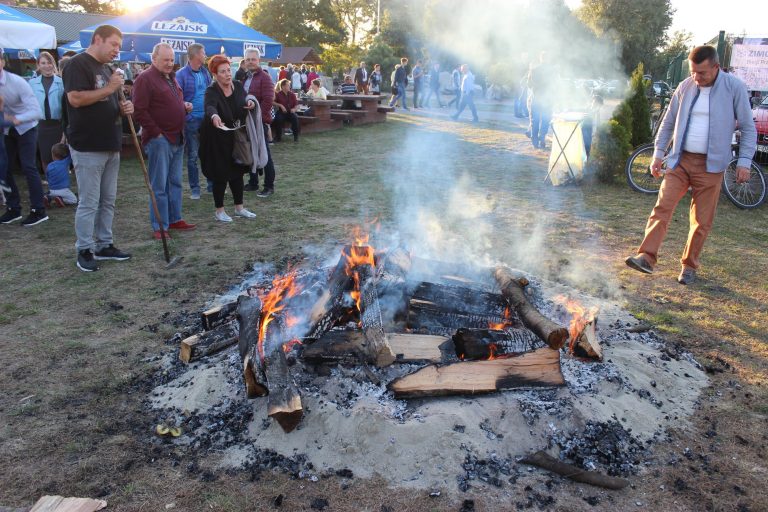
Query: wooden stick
[249, 319]
[204, 344]
[512, 288]
[284, 400]
[378, 350]
[545, 461]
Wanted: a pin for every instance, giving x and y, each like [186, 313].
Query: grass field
[76, 348]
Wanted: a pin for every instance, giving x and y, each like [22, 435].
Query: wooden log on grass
[512, 287]
[543, 460]
[249, 320]
[206, 343]
[474, 344]
[540, 368]
[284, 399]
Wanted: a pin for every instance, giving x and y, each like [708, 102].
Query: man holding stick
[702, 116]
[94, 133]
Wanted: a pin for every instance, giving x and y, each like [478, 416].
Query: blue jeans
[467, 101]
[191, 147]
[400, 95]
[541, 114]
[25, 147]
[436, 93]
[165, 166]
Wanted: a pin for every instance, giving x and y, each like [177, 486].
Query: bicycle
[747, 195]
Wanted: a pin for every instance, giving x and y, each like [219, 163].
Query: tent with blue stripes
[23, 35]
[184, 22]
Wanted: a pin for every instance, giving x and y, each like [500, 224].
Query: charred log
[540, 368]
[348, 346]
[461, 300]
[376, 347]
[249, 319]
[473, 344]
[512, 288]
[217, 315]
[204, 344]
[431, 317]
[543, 460]
[284, 400]
[329, 308]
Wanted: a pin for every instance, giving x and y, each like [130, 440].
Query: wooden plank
[347, 346]
[417, 347]
[62, 504]
[204, 344]
[540, 368]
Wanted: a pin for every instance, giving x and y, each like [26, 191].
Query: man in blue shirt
[194, 79]
[467, 90]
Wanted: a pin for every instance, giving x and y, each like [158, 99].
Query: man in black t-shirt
[95, 138]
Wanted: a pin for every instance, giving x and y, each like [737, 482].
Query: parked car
[760, 115]
[661, 88]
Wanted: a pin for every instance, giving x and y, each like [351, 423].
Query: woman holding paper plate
[225, 151]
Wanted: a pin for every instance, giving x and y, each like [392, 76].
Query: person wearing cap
[23, 110]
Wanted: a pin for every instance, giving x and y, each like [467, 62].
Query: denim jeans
[97, 185]
[467, 101]
[191, 147]
[25, 147]
[165, 166]
[436, 93]
[541, 115]
[400, 95]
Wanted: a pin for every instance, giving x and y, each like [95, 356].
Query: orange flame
[580, 317]
[503, 325]
[492, 351]
[359, 254]
[287, 347]
[283, 288]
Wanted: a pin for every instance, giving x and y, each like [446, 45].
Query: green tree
[381, 53]
[610, 150]
[340, 57]
[680, 42]
[296, 22]
[115, 7]
[355, 15]
[638, 104]
[638, 28]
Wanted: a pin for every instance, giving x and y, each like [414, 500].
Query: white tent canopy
[18, 30]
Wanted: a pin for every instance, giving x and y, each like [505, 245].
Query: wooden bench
[305, 120]
[385, 110]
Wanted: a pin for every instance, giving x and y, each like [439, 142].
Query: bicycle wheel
[638, 170]
[745, 195]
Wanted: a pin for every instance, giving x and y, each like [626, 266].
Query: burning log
[540, 368]
[217, 315]
[460, 300]
[581, 330]
[545, 461]
[284, 400]
[473, 344]
[433, 317]
[347, 346]
[376, 347]
[587, 344]
[330, 306]
[204, 344]
[512, 288]
[249, 319]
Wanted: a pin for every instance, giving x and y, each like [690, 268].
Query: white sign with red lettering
[750, 63]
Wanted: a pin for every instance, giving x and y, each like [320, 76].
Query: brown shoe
[639, 263]
[687, 276]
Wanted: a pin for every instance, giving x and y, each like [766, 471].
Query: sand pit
[604, 418]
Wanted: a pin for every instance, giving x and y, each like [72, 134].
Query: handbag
[241, 151]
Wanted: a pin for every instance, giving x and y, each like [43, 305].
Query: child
[57, 174]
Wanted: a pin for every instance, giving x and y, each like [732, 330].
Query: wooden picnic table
[370, 105]
[320, 120]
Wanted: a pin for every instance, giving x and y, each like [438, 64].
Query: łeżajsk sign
[185, 26]
[749, 62]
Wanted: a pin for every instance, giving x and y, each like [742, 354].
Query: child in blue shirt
[57, 175]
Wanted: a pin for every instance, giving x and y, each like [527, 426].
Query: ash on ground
[605, 418]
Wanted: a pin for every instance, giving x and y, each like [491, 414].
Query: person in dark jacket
[287, 103]
[434, 86]
[399, 83]
[259, 84]
[225, 107]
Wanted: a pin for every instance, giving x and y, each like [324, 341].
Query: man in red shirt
[160, 109]
[287, 103]
[258, 85]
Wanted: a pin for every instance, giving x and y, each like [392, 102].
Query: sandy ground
[351, 423]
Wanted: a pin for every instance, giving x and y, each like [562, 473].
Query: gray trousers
[97, 185]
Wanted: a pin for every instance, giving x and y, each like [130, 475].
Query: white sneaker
[245, 213]
[223, 217]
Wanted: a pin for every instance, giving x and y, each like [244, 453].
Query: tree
[381, 53]
[340, 57]
[90, 6]
[680, 42]
[637, 27]
[354, 14]
[638, 104]
[296, 22]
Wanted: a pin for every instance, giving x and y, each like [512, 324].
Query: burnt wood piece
[249, 318]
[431, 317]
[347, 346]
[473, 344]
[217, 315]
[512, 287]
[543, 460]
[392, 269]
[587, 344]
[206, 343]
[540, 368]
[462, 300]
[376, 347]
[284, 400]
[329, 307]
[393, 265]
